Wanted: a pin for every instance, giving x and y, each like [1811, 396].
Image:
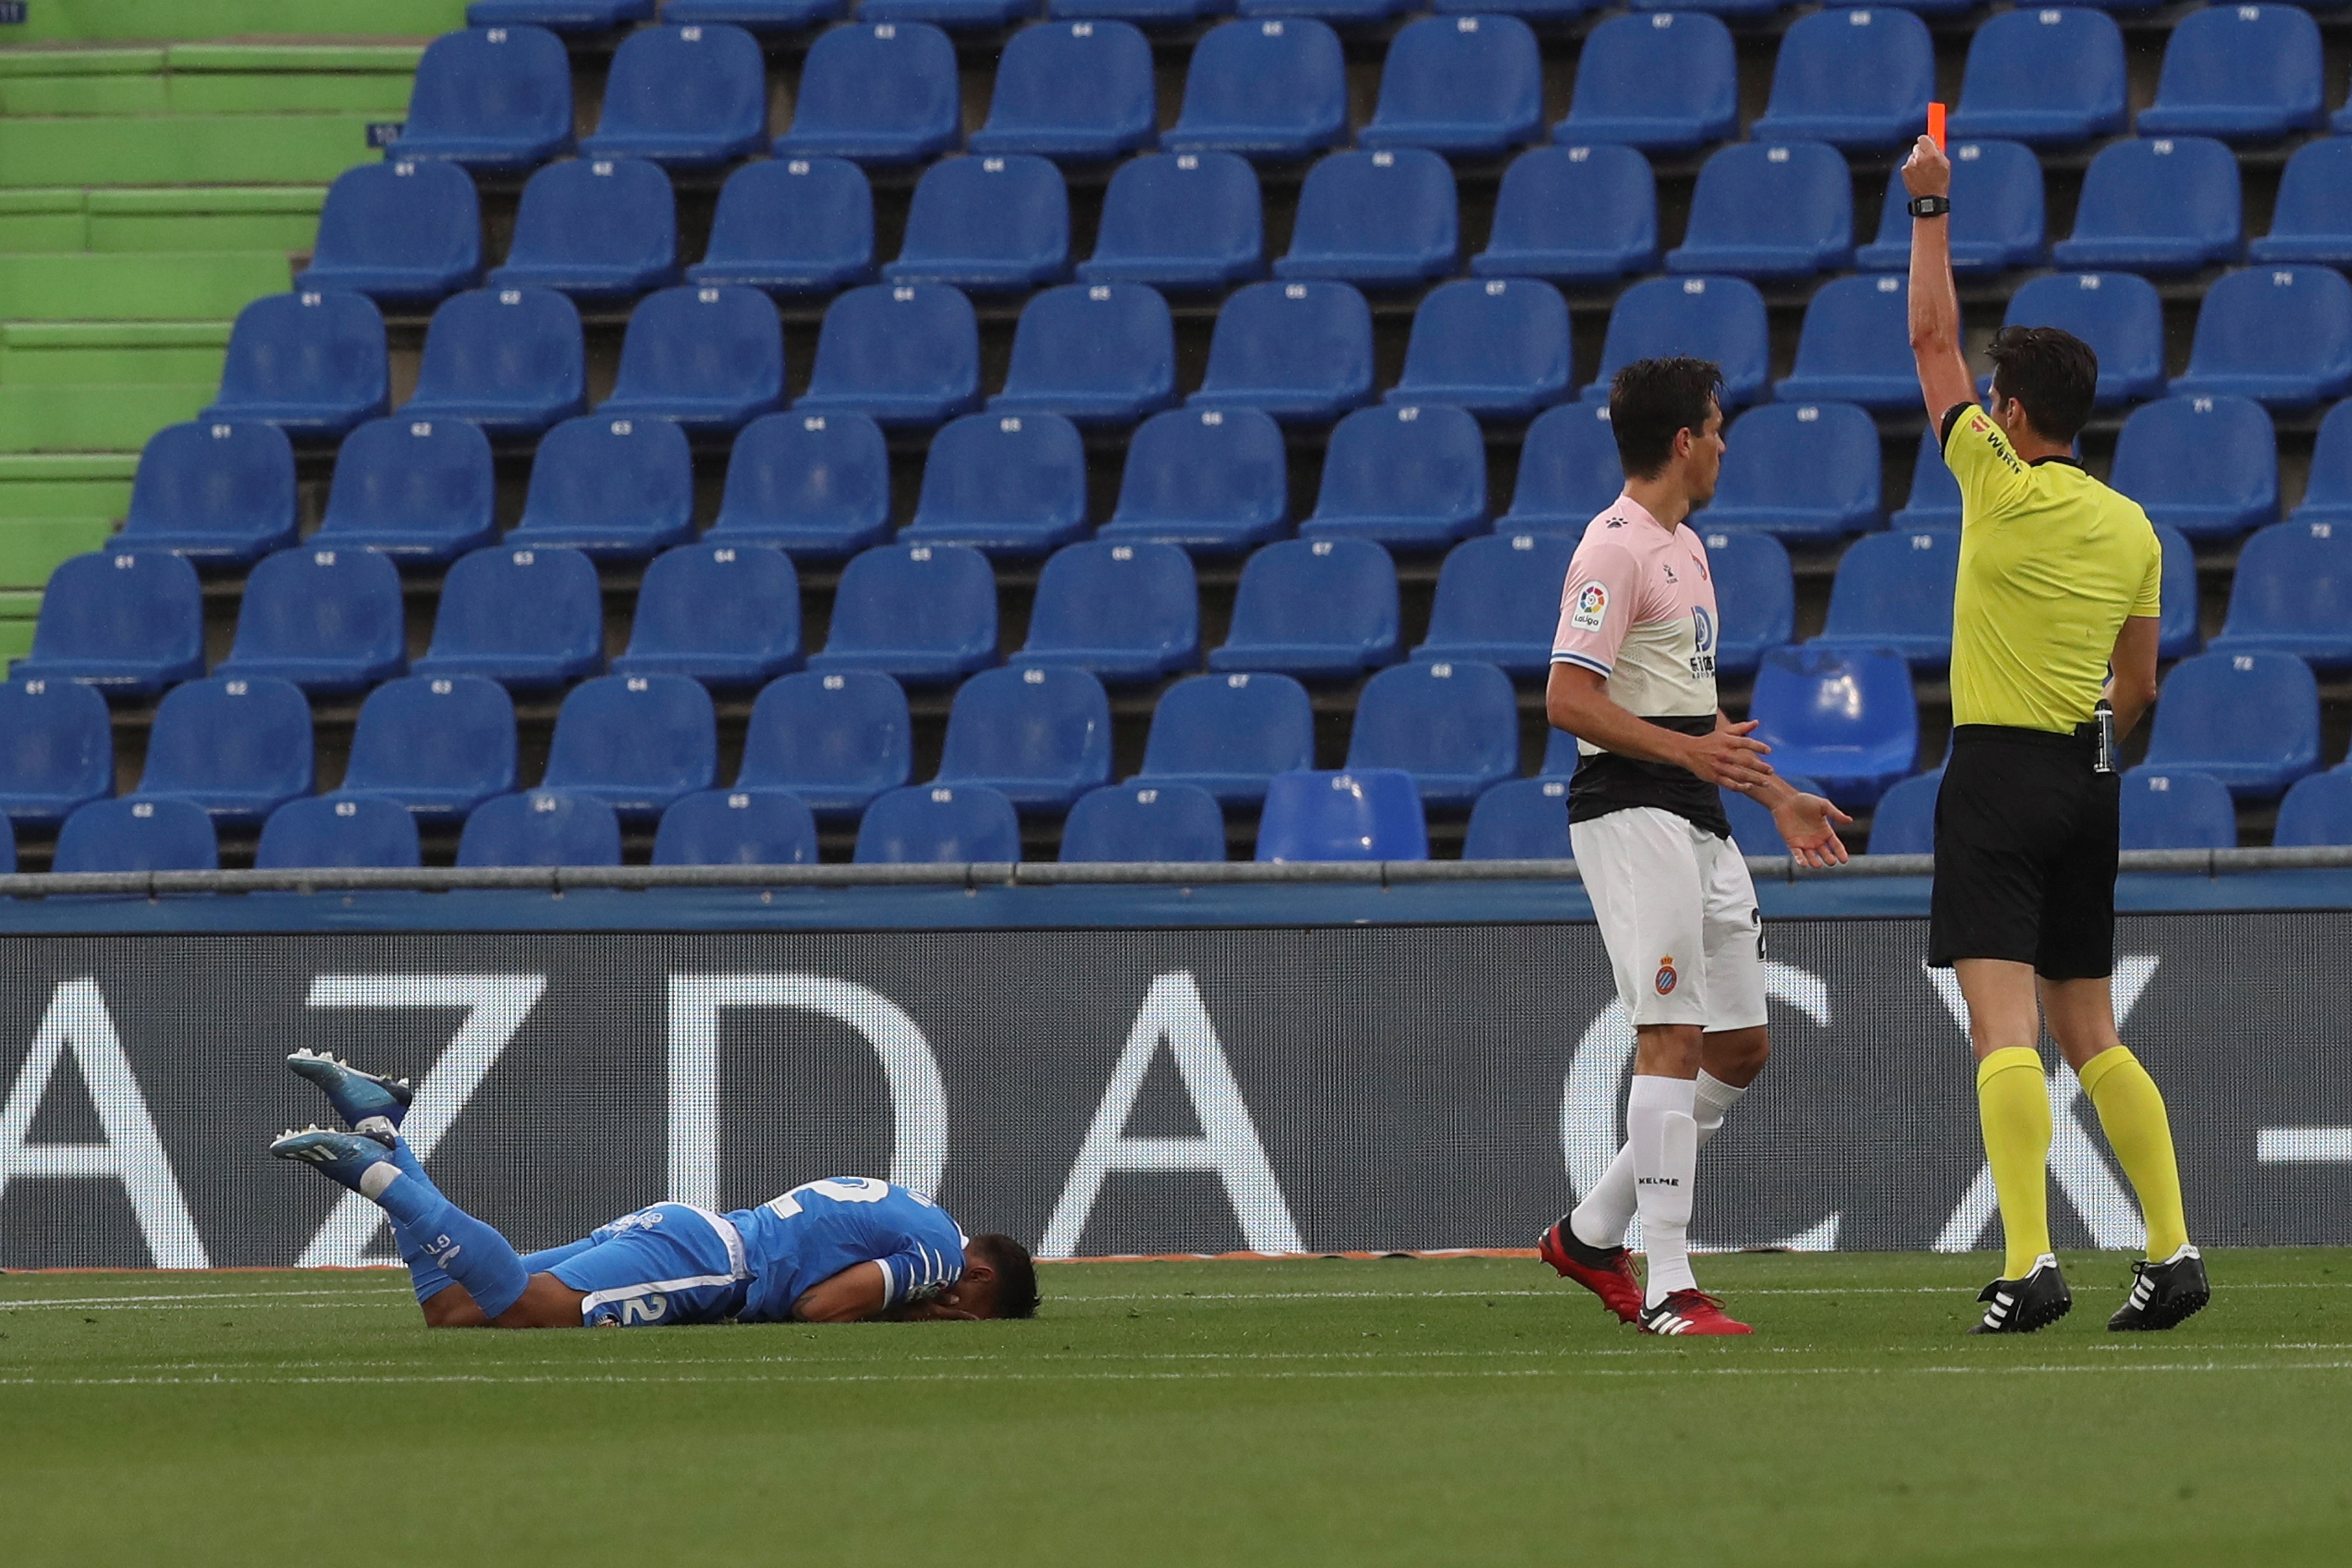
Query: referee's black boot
[2164, 1294]
[2021, 1306]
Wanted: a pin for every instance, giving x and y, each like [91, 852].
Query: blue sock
[424, 1276]
[461, 1246]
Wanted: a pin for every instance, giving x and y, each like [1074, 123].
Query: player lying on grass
[835, 1251]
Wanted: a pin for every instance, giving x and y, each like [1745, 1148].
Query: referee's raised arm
[1944, 379]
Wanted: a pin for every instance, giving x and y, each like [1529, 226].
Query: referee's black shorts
[2025, 853]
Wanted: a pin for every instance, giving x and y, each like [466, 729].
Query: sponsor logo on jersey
[1667, 979]
[1591, 608]
[1701, 660]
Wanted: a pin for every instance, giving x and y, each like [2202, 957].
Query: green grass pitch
[1402, 1411]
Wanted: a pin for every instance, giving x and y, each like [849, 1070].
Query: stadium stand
[1895, 591]
[685, 97]
[2048, 77]
[1934, 496]
[1122, 612]
[1669, 83]
[328, 621]
[1520, 819]
[57, 750]
[406, 230]
[758, 17]
[1169, 823]
[884, 93]
[1857, 79]
[1317, 609]
[527, 619]
[1904, 821]
[634, 742]
[439, 746]
[1499, 348]
[724, 614]
[1372, 815]
[988, 15]
[1213, 481]
[1094, 354]
[613, 489]
[1798, 470]
[1568, 470]
[219, 493]
[1230, 736]
[792, 226]
[2180, 630]
[1381, 219]
[129, 622]
[2279, 335]
[2244, 73]
[1179, 221]
[1080, 92]
[1350, 14]
[1775, 210]
[418, 490]
[1273, 89]
[492, 98]
[815, 486]
[735, 828]
[2117, 313]
[986, 223]
[2206, 466]
[2328, 497]
[561, 15]
[2291, 593]
[325, 832]
[706, 358]
[1721, 319]
[238, 748]
[1452, 725]
[2312, 220]
[1467, 85]
[903, 354]
[1997, 213]
[1855, 345]
[935, 823]
[1402, 476]
[2166, 204]
[1039, 735]
[597, 229]
[540, 828]
[1573, 215]
[2176, 808]
[312, 363]
[924, 614]
[2317, 812]
[2250, 720]
[1756, 597]
[137, 835]
[1301, 351]
[1844, 717]
[1008, 485]
[512, 361]
[1497, 603]
[834, 741]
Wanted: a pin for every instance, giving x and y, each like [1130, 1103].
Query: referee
[2054, 658]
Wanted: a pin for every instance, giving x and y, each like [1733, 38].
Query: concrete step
[31, 547]
[67, 484]
[91, 353]
[60, 21]
[138, 285]
[101, 419]
[183, 149]
[209, 78]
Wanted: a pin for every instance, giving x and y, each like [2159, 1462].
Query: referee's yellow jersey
[2051, 563]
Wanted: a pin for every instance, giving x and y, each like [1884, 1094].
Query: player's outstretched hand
[1928, 172]
[1729, 757]
[1809, 824]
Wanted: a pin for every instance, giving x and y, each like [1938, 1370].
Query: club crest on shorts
[1667, 979]
[1591, 608]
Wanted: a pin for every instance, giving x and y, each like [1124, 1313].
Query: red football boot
[1606, 1271]
[1690, 1312]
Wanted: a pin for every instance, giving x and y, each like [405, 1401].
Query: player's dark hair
[1652, 401]
[1016, 1274]
[2054, 373]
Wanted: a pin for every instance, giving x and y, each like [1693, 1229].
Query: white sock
[1602, 1218]
[1663, 1132]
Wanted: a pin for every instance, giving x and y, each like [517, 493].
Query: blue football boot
[345, 1157]
[361, 1099]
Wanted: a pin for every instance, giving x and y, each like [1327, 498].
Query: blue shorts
[671, 1263]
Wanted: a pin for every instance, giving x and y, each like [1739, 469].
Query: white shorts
[1678, 916]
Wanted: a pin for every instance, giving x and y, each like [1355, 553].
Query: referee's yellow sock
[2013, 1101]
[2131, 1111]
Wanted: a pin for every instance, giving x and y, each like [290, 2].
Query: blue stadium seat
[2117, 313]
[1520, 819]
[1997, 213]
[124, 621]
[923, 613]
[2291, 593]
[220, 494]
[1755, 598]
[2312, 218]
[2328, 497]
[815, 486]
[1778, 210]
[1721, 319]
[1122, 612]
[1039, 735]
[405, 230]
[2180, 630]
[1498, 602]
[2281, 335]
[489, 98]
[333, 832]
[2250, 719]
[1470, 86]
[312, 363]
[2046, 77]
[330, 621]
[1082, 92]
[1568, 470]
[1753, 831]
[1855, 345]
[1856, 78]
[900, 354]
[541, 827]
[137, 835]
[1373, 814]
[1009, 485]
[1142, 13]
[1667, 82]
[238, 748]
[1273, 88]
[1934, 499]
[1404, 476]
[1895, 590]
[1497, 347]
[561, 16]
[416, 490]
[709, 357]
[1317, 609]
[992, 15]
[936, 825]
[792, 225]
[726, 615]
[1379, 219]
[1230, 736]
[685, 97]
[1574, 214]
[2206, 466]
[1559, 758]
[527, 619]
[1843, 716]
[2169, 203]
[1532, 11]
[1904, 822]
[57, 749]
[835, 740]
[2244, 73]
[1179, 221]
[986, 223]
[2176, 808]
[1350, 14]
[735, 828]
[634, 742]
[1739, 10]
[1161, 823]
[881, 93]
[2316, 813]
[761, 16]
[602, 229]
[1799, 470]
[438, 745]
[1094, 353]
[1454, 725]
[1216, 481]
[613, 489]
[1301, 351]
[512, 361]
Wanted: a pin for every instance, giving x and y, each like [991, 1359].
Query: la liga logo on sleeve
[1591, 608]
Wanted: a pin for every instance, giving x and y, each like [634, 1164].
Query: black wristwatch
[1931, 206]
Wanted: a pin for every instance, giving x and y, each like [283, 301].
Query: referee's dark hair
[1016, 1274]
[2054, 373]
[1654, 400]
